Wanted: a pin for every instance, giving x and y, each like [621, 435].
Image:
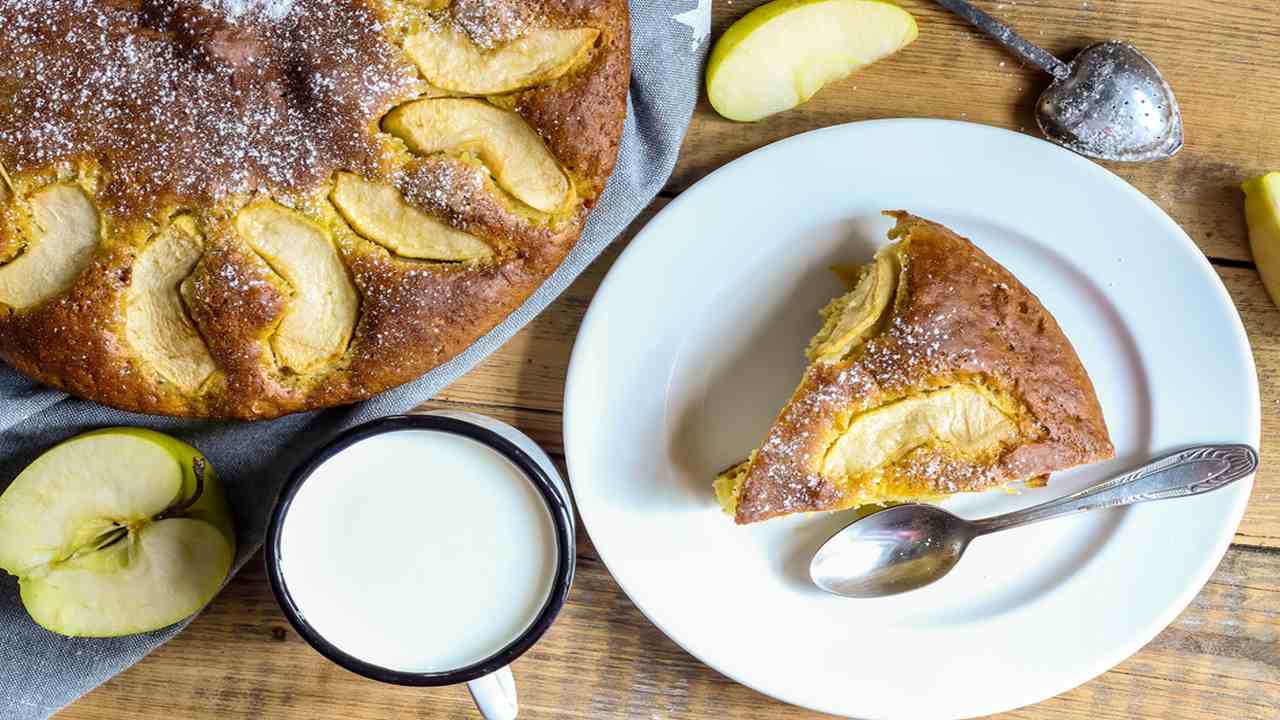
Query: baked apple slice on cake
[938, 373]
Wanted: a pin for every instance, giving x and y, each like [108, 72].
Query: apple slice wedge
[116, 532]
[321, 316]
[1262, 214]
[778, 55]
[512, 150]
[380, 213]
[451, 61]
[62, 236]
[156, 324]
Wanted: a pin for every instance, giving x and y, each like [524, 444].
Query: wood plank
[545, 427]
[1220, 58]
[1261, 524]
[1220, 658]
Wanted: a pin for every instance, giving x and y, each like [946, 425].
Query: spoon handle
[1005, 35]
[1193, 471]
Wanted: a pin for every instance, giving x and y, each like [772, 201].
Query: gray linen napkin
[41, 672]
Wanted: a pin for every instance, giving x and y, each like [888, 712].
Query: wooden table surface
[1220, 658]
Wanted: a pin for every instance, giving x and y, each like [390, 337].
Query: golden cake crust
[962, 318]
[413, 314]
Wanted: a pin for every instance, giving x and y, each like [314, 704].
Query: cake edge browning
[962, 318]
[414, 316]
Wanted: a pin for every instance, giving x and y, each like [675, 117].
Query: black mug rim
[557, 505]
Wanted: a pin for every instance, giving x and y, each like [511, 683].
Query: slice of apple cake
[937, 373]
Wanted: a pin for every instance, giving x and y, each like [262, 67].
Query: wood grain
[1261, 525]
[1222, 60]
[603, 659]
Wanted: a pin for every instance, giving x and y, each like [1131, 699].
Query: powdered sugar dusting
[909, 350]
[945, 474]
[491, 23]
[275, 10]
[193, 100]
[446, 188]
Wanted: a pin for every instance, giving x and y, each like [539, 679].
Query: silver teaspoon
[909, 546]
[1109, 103]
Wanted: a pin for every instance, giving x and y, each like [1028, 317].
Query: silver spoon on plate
[906, 547]
[1109, 103]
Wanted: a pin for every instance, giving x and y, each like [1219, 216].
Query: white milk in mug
[425, 550]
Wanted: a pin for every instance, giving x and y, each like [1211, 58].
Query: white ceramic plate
[696, 339]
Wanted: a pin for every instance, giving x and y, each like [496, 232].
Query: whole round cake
[246, 208]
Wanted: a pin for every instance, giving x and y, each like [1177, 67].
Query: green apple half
[778, 55]
[1262, 213]
[116, 532]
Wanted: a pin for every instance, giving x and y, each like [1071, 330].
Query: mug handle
[495, 695]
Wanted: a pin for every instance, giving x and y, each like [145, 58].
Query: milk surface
[418, 551]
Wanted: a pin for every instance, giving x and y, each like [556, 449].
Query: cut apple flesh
[186, 560]
[501, 139]
[1262, 212]
[962, 418]
[320, 317]
[379, 213]
[852, 318]
[780, 54]
[85, 529]
[156, 322]
[451, 61]
[140, 480]
[60, 246]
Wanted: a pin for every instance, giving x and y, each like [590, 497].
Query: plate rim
[1100, 662]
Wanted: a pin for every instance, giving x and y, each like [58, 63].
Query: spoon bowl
[891, 551]
[1114, 105]
[1109, 103]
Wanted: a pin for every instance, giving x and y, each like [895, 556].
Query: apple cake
[247, 208]
[937, 373]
